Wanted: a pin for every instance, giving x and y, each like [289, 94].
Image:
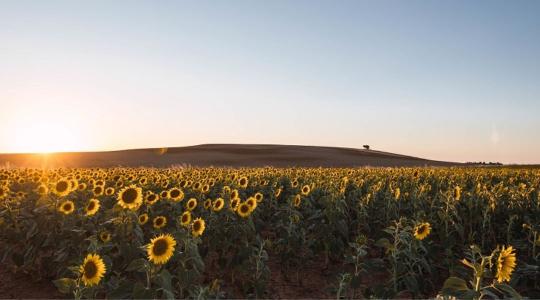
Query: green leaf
[137, 265]
[508, 290]
[65, 285]
[455, 284]
[383, 243]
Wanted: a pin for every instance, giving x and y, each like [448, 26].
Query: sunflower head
[143, 218]
[105, 236]
[185, 219]
[161, 249]
[198, 226]
[176, 194]
[109, 191]
[243, 182]
[258, 197]
[92, 270]
[62, 187]
[218, 204]
[207, 203]
[130, 197]
[233, 204]
[506, 262]
[159, 222]
[244, 210]
[422, 230]
[305, 190]
[151, 198]
[297, 201]
[66, 207]
[92, 207]
[191, 204]
[252, 202]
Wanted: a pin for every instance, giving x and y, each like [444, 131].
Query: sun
[35, 133]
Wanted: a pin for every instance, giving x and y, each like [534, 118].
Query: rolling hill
[222, 155]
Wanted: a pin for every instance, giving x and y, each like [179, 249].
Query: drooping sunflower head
[506, 262]
[66, 207]
[244, 210]
[176, 194]
[143, 218]
[159, 222]
[130, 197]
[306, 189]
[185, 219]
[92, 207]
[218, 204]
[92, 270]
[422, 230]
[191, 204]
[161, 249]
[198, 226]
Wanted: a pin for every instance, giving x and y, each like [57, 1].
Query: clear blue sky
[448, 80]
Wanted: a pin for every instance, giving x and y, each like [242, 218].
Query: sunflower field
[260, 232]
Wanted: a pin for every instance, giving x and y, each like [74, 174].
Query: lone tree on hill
[366, 147]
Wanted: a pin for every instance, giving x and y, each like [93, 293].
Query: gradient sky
[454, 80]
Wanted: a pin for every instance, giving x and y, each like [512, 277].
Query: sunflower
[191, 204]
[92, 269]
[151, 198]
[185, 219]
[234, 194]
[61, 187]
[506, 262]
[161, 249]
[105, 236]
[305, 190]
[233, 204]
[218, 204]
[81, 186]
[297, 200]
[159, 222]
[278, 192]
[207, 203]
[258, 197]
[252, 202]
[92, 207]
[98, 190]
[164, 194]
[457, 192]
[397, 194]
[205, 188]
[244, 210]
[41, 190]
[422, 230]
[176, 194]
[109, 191]
[198, 226]
[143, 219]
[243, 182]
[66, 207]
[130, 197]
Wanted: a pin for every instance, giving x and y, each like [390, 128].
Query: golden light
[42, 132]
